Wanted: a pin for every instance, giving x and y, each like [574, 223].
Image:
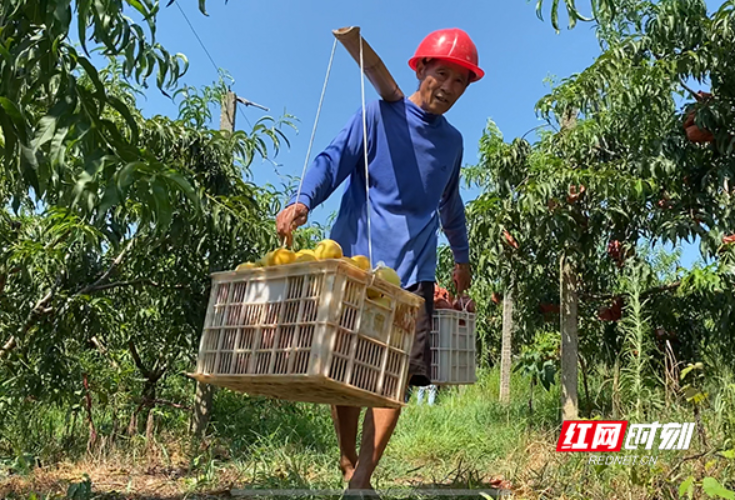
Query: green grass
[465, 441]
[462, 441]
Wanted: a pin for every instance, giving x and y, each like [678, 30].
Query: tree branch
[103, 350]
[40, 306]
[694, 94]
[646, 293]
[603, 149]
[137, 360]
[662, 288]
[163, 402]
[107, 273]
[154, 375]
[158, 370]
[117, 284]
[534, 128]
[9, 346]
[686, 459]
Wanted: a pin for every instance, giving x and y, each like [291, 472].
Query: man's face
[442, 83]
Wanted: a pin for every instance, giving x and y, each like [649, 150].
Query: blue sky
[277, 53]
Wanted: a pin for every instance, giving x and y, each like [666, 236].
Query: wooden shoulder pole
[375, 69]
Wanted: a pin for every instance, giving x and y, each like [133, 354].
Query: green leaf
[689, 368]
[728, 454]
[202, 7]
[126, 176]
[121, 108]
[57, 149]
[572, 13]
[10, 137]
[599, 469]
[44, 132]
[28, 157]
[81, 185]
[687, 487]
[713, 488]
[94, 76]
[139, 7]
[184, 185]
[186, 63]
[82, 18]
[555, 15]
[110, 199]
[11, 109]
[164, 210]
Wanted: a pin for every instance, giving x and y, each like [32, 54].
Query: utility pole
[205, 392]
[227, 113]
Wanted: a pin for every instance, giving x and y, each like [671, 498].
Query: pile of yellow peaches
[326, 249]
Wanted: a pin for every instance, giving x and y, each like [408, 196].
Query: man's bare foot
[348, 469]
[347, 473]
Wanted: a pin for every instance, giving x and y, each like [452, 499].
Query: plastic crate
[453, 348]
[309, 332]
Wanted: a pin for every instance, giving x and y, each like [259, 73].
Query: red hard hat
[450, 44]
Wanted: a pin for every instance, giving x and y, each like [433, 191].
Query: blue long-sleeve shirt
[414, 160]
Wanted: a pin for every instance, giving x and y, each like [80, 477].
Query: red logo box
[591, 436]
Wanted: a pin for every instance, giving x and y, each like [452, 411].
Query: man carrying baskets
[414, 160]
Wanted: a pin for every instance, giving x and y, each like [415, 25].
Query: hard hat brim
[475, 72]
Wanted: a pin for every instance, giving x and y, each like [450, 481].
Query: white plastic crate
[453, 347]
[308, 332]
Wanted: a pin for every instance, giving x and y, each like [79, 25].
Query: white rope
[365, 149]
[364, 136]
[316, 121]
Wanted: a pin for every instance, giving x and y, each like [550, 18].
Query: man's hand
[289, 219]
[462, 277]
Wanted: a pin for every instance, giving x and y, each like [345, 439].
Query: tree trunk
[149, 428]
[146, 405]
[115, 426]
[506, 349]
[133, 425]
[202, 408]
[150, 393]
[569, 340]
[88, 407]
[583, 365]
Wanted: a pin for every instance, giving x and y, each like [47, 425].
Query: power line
[244, 115]
[216, 68]
[211, 59]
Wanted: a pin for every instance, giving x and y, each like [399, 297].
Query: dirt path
[108, 481]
